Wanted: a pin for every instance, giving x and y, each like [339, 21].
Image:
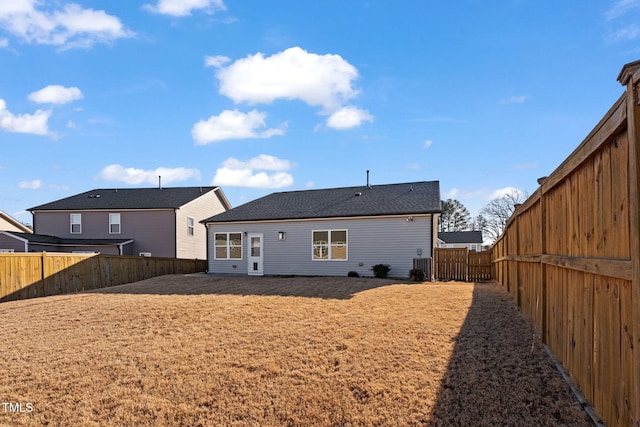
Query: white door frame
[255, 264]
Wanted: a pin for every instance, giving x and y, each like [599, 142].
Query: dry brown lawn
[202, 350]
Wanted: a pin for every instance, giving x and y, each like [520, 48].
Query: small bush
[380, 271]
[353, 274]
[417, 274]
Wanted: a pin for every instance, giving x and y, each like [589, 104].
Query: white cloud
[36, 123]
[235, 173]
[4, 43]
[505, 192]
[30, 185]
[69, 27]
[428, 143]
[134, 176]
[451, 194]
[232, 125]
[185, 7]
[627, 33]
[348, 118]
[620, 8]
[56, 94]
[513, 100]
[622, 21]
[216, 61]
[318, 80]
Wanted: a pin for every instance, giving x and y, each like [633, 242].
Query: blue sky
[261, 96]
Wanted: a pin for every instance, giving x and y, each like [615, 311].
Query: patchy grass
[200, 350]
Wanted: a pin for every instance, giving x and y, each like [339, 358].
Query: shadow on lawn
[205, 284]
[499, 373]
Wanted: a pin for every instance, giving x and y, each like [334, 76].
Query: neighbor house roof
[13, 223]
[410, 198]
[460, 236]
[131, 198]
[54, 240]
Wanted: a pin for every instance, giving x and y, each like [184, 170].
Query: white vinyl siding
[75, 223]
[228, 245]
[114, 223]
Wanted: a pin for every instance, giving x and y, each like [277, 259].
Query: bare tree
[494, 216]
[454, 217]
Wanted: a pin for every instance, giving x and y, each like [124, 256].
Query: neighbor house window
[329, 245]
[190, 226]
[228, 246]
[114, 223]
[76, 223]
[474, 248]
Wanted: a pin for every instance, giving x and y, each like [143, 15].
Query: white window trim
[191, 228]
[228, 246]
[71, 223]
[329, 245]
[114, 215]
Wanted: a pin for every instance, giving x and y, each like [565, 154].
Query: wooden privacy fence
[30, 275]
[570, 258]
[462, 264]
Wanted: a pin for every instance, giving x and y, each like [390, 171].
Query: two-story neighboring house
[163, 222]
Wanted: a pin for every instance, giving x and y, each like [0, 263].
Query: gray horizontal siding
[389, 240]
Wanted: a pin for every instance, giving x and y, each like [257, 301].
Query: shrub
[417, 274]
[353, 274]
[380, 271]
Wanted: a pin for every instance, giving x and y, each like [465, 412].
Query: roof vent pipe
[368, 185]
[160, 182]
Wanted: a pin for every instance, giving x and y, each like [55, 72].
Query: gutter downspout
[434, 240]
[206, 255]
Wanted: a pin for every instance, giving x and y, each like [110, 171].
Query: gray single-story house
[327, 232]
[471, 240]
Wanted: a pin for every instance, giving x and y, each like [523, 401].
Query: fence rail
[570, 258]
[30, 275]
[462, 264]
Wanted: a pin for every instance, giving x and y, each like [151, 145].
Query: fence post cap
[627, 71]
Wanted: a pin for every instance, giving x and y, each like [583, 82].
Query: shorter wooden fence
[31, 275]
[462, 264]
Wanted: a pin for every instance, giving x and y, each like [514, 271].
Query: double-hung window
[114, 223]
[75, 223]
[329, 245]
[190, 226]
[228, 246]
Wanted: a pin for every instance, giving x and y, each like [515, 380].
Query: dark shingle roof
[460, 236]
[128, 198]
[54, 240]
[395, 199]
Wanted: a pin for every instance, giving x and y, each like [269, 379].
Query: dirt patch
[201, 350]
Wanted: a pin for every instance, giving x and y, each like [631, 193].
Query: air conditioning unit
[6, 251]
